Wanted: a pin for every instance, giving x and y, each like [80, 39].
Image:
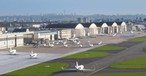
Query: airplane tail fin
[77, 63]
[31, 52]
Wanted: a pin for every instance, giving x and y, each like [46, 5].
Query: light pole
[7, 41]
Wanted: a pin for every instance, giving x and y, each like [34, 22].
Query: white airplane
[43, 44]
[12, 51]
[131, 32]
[78, 42]
[80, 45]
[78, 68]
[33, 55]
[91, 45]
[51, 45]
[100, 43]
[65, 45]
[74, 41]
[114, 34]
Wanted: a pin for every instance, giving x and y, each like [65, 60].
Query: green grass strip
[139, 39]
[145, 49]
[139, 62]
[123, 74]
[104, 48]
[88, 55]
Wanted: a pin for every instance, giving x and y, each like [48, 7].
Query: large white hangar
[113, 27]
[122, 26]
[102, 28]
[90, 29]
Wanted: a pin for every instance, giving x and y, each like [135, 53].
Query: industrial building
[20, 36]
[87, 29]
[10, 40]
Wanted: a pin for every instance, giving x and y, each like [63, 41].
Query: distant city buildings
[54, 18]
[84, 20]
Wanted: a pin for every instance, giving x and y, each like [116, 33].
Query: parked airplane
[33, 55]
[91, 45]
[100, 43]
[51, 45]
[131, 32]
[12, 51]
[78, 68]
[114, 34]
[80, 45]
[65, 45]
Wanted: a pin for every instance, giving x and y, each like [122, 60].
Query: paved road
[133, 51]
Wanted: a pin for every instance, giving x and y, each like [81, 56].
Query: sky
[80, 7]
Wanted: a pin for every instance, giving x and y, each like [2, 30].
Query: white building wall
[36, 25]
[3, 44]
[66, 33]
[46, 35]
[11, 40]
[53, 37]
[20, 42]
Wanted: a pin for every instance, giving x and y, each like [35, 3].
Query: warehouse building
[10, 40]
[87, 29]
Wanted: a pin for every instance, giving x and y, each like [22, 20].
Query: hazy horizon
[80, 7]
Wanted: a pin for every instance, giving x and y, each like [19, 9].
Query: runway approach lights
[33, 55]
[12, 51]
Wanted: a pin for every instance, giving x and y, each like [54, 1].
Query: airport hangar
[66, 31]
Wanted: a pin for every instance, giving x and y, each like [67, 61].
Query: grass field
[87, 55]
[102, 48]
[139, 62]
[123, 74]
[43, 69]
[140, 39]
[145, 49]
